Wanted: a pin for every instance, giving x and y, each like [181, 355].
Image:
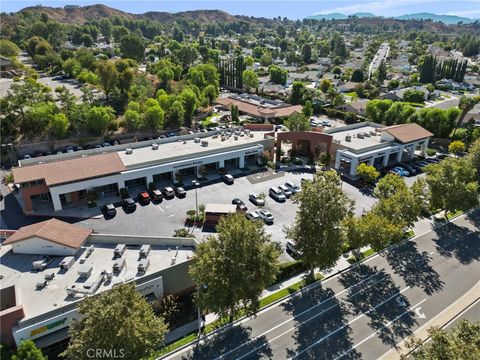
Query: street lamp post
[196, 183]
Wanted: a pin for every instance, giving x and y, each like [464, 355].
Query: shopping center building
[375, 145]
[65, 179]
[49, 267]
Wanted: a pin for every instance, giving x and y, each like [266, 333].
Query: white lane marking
[171, 215]
[420, 314]
[160, 208]
[349, 323]
[310, 309]
[378, 331]
[431, 252]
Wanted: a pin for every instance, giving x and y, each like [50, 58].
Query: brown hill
[81, 14]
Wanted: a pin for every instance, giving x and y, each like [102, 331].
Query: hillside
[445, 19]
[80, 15]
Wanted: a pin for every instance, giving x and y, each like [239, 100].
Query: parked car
[180, 192]
[156, 195]
[326, 123]
[285, 190]
[401, 171]
[240, 205]
[144, 198]
[106, 144]
[129, 204]
[252, 215]
[277, 194]
[291, 249]
[432, 160]
[410, 169]
[109, 210]
[228, 178]
[168, 192]
[27, 157]
[265, 215]
[256, 199]
[294, 188]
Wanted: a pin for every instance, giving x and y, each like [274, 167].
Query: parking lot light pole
[195, 184]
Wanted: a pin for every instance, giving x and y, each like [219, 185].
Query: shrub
[152, 186]
[431, 152]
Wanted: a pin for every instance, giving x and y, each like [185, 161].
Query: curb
[311, 286]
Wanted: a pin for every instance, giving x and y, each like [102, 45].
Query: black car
[110, 210]
[237, 201]
[180, 192]
[156, 195]
[129, 204]
[409, 168]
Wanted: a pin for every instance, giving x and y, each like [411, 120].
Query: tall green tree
[298, 90]
[316, 231]
[277, 75]
[250, 80]
[307, 109]
[453, 185]
[132, 46]
[474, 156]
[297, 122]
[465, 105]
[119, 319]
[458, 343]
[190, 103]
[27, 350]
[108, 75]
[234, 267]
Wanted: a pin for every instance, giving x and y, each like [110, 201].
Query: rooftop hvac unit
[348, 138]
[67, 263]
[373, 133]
[366, 134]
[118, 265]
[235, 137]
[145, 251]
[128, 151]
[197, 139]
[154, 146]
[204, 143]
[360, 135]
[143, 265]
[85, 271]
[89, 251]
[119, 250]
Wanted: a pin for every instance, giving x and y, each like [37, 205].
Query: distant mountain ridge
[446, 19]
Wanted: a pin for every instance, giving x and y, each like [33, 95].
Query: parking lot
[164, 218]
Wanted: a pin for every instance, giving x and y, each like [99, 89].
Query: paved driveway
[169, 215]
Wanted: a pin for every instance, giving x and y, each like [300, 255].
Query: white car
[265, 215]
[277, 194]
[294, 188]
[326, 123]
[285, 190]
[252, 215]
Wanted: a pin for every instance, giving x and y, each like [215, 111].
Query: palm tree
[465, 105]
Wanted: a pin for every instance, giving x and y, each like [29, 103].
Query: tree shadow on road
[380, 300]
[229, 339]
[459, 242]
[414, 267]
[323, 331]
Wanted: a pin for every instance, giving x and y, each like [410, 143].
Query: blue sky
[273, 8]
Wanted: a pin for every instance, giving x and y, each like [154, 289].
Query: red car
[144, 198]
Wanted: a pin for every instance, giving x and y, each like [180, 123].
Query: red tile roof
[407, 132]
[52, 230]
[65, 171]
[260, 111]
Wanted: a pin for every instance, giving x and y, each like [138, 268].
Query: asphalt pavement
[365, 311]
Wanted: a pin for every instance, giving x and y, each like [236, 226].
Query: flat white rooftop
[178, 149]
[370, 138]
[16, 269]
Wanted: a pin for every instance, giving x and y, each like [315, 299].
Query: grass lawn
[367, 253]
[175, 345]
[451, 215]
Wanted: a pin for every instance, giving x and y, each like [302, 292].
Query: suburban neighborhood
[187, 182]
